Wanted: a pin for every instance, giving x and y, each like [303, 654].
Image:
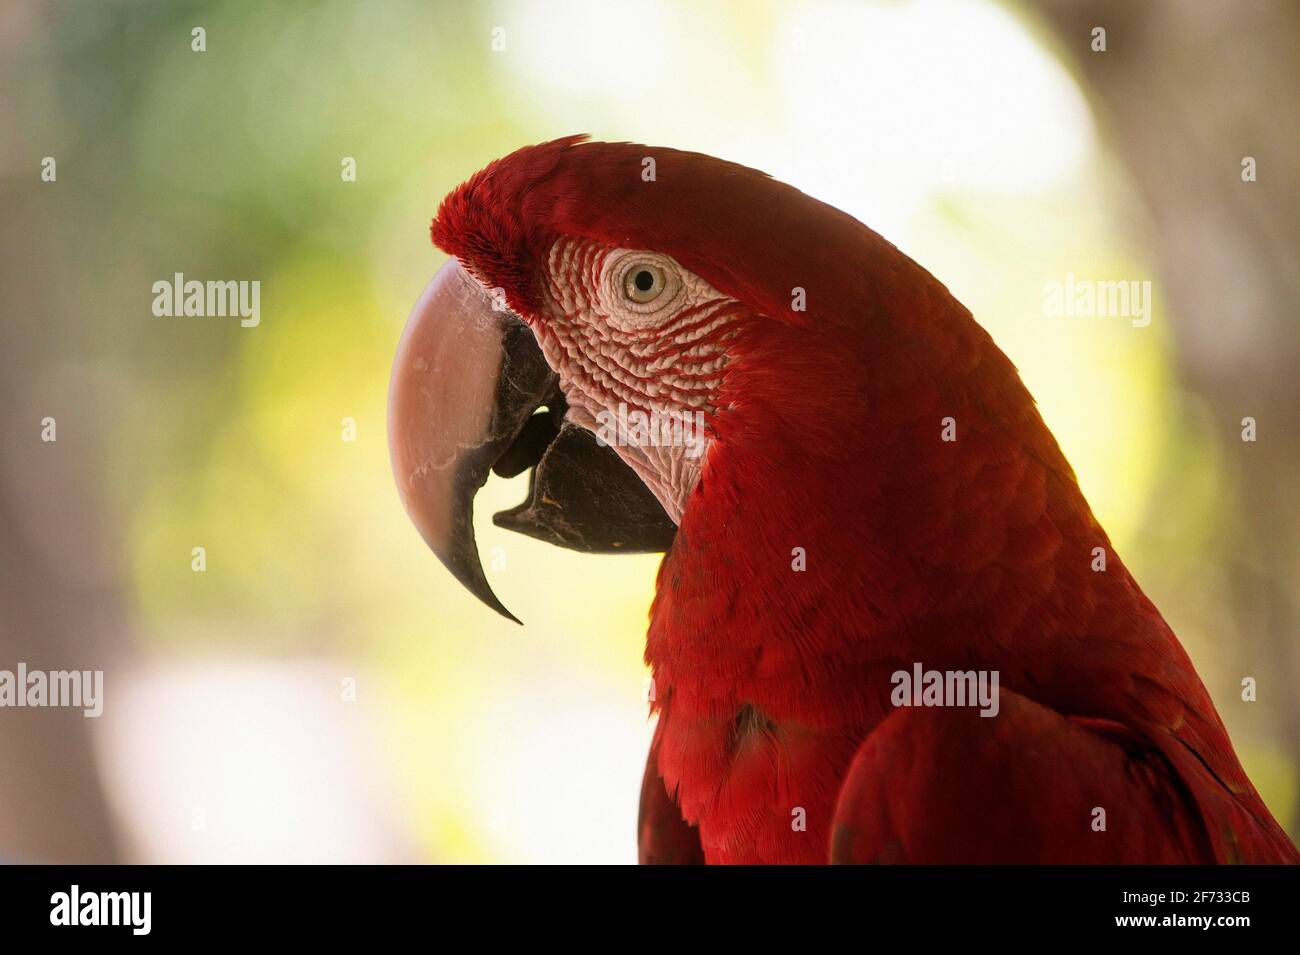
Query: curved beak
[467, 377]
[466, 398]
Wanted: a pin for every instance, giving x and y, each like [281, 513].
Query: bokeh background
[988, 140]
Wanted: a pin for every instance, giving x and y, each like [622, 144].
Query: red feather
[774, 684]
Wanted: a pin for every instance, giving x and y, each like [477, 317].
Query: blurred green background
[987, 140]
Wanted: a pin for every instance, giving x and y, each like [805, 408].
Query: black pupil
[644, 281]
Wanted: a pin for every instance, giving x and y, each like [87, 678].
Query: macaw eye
[644, 282]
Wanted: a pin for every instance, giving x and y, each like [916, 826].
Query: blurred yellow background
[958, 130]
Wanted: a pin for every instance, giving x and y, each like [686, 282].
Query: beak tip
[490, 598]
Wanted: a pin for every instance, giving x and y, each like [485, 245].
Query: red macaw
[871, 494]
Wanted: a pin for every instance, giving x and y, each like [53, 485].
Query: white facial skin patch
[639, 344]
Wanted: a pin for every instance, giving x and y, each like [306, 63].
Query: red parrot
[851, 484]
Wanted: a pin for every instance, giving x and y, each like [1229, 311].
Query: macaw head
[631, 322]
